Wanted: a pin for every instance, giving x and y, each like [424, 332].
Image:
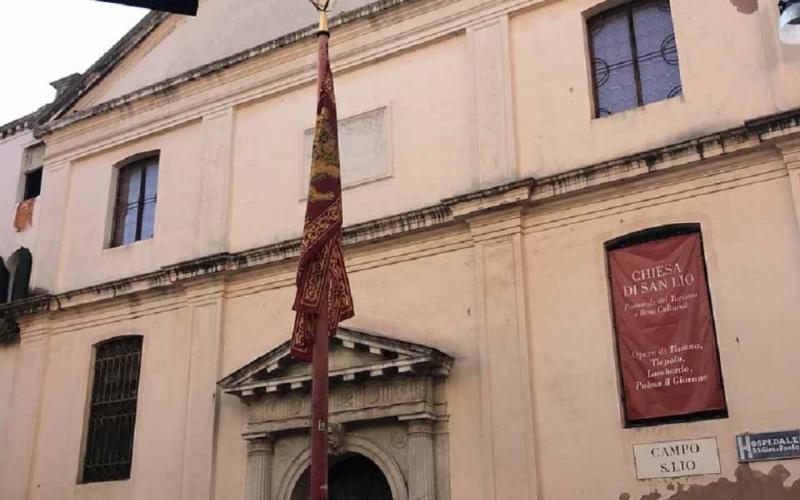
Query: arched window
[19, 275]
[135, 206]
[112, 410]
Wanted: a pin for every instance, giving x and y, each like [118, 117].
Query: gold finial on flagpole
[323, 21]
[323, 6]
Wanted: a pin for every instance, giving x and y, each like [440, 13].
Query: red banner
[665, 333]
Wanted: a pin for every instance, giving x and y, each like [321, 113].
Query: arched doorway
[351, 477]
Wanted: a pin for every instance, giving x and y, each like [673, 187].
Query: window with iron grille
[112, 411]
[135, 208]
[634, 56]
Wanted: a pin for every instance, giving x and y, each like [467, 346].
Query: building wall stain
[749, 485]
[745, 6]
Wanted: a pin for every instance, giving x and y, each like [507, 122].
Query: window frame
[90, 391]
[628, 7]
[637, 238]
[26, 187]
[117, 220]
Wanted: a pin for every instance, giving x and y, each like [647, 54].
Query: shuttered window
[634, 56]
[112, 411]
[135, 209]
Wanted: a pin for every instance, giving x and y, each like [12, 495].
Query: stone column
[258, 482]
[421, 464]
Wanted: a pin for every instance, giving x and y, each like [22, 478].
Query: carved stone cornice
[371, 377]
[770, 135]
[377, 358]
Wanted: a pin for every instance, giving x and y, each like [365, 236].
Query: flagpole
[319, 409]
[319, 384]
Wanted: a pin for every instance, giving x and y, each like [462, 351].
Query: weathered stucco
[484, 240]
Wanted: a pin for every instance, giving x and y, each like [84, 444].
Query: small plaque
[768, 446]
[692, 457]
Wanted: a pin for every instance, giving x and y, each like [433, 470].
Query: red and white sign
[665, 333]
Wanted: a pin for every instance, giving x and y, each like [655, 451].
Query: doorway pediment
[354, 355]
[386, 402]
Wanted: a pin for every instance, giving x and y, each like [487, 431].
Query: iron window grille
[634, 56]
[112, 412]
[135, 207]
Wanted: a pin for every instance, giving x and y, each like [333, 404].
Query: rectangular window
[112, 412]
[666, 340]
[33, 184]
[634, 56]
[135, 210]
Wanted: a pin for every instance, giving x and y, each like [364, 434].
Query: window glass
[149, 208]
[134, 215]
[634, 56]
[657, 52]
[614, 77]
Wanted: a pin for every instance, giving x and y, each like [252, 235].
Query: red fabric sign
[667, 344]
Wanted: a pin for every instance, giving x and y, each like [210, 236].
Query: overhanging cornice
[762, 134]
[384, 357]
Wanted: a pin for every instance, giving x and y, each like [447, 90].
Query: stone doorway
[351, 477]
[388, 415]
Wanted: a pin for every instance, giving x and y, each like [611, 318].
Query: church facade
[514, 173]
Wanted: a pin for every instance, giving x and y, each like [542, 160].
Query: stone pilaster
[204, 301]
[422, 468]
[18, 440]
[506, 377]
[258, 482]
[791, 158]
[494, 143]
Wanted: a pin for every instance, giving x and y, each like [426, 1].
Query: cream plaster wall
[188, 42]
[8, 358]
[85, 257]
[444, 288]
[473, 103]
[429, 160]
[518, 297]
[732, 69]
[428, 300]
[11, 157]
[12, 152]
[160, 421]
[751, 242]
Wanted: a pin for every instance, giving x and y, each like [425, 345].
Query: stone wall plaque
[691, 457]
[363, 146]
[768, 446]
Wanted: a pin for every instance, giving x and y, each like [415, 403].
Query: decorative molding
[270, 374]
[733, 144]
[378, 454]
[245, 82]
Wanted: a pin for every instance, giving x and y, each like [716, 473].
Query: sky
[44, 40]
